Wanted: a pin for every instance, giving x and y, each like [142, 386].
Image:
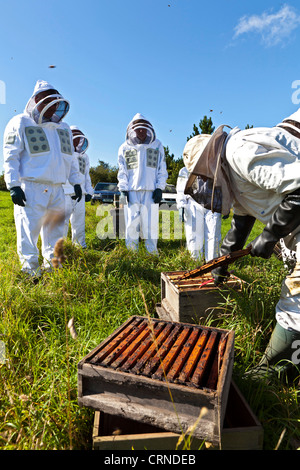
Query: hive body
[161, 373]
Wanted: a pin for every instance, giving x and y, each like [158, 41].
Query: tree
[173, 166]
[103, 172]
[205, 126]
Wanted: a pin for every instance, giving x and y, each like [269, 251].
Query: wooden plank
[107, 347]
[184, 353]
[171, 356]
[166, 414]
[143, 347]
[171, 312]
[131, 344]
[162, 312]
[202, 365]
[244, 438]
[225, 375]
[193, 358]
[123, 345]
[162, 351]
[248, 435]
[152, 350]
[217, 363]
[153, 441]
[172, 295]
[200, 283]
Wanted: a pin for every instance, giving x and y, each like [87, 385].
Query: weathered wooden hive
[241, 431]
[192, 300]
[161, 373]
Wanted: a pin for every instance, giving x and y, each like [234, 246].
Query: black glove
[78, 192]
[285, 220]
[18, 196]
[157, 195]
[181, 214]
[241, 226]
[88, 197]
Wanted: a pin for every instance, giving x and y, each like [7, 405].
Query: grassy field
[100, 288]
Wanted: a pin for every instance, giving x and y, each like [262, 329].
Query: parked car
[169, 195]
[105, 193]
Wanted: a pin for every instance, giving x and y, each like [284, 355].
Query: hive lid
[152, 358]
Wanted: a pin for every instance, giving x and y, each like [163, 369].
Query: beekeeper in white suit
[202, 226]
[75, 210]
[38, 159]
[142, 177]
[261, 172]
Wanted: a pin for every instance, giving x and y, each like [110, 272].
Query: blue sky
[174, 61]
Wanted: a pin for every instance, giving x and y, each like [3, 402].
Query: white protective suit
[142, 169]
[39, 158]
[202, 226]
[74, 210]
[264, 166]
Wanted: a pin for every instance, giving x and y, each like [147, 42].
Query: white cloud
[274, 28]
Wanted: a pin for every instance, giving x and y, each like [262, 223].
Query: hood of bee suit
[138, 122]
[193, 150]
[83, 143]
[54, 98]
[203, 156]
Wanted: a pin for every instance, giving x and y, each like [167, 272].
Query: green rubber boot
[277, 360]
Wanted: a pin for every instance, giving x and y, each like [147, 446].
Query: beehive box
[192, 300]
[241, 431]
[161, 373]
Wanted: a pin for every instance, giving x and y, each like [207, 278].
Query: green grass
[100, 288]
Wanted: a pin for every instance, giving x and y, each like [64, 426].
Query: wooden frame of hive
[154, 400]
[191, 300]
[241, 431]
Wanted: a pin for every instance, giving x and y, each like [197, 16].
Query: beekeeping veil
[80, 141]
[208, 182]
[139, 122]
[37, 109]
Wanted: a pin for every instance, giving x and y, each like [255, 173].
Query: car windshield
[170, 189]
[106, 187]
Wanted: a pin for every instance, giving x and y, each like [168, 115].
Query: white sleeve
[122, 173]
[88, 184]
[13, 145]
[181, 198]
[162, 174]
[74, 176]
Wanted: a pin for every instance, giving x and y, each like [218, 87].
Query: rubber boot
[277, 360]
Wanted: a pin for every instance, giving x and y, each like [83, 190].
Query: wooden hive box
[161, 373]
[191, 300]
[241, 431]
